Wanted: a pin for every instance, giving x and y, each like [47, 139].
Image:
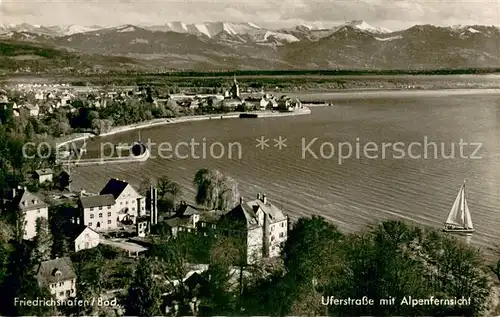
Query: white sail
[454, 217]
[459, 215]
[468, 219]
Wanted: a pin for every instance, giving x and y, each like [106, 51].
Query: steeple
[235, 90]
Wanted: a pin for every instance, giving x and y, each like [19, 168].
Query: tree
[168, 193]
[20, 283]
[214, 190]
[226, 253]
[144, 295]
[29, 130]
[43, 241]
[310, 250]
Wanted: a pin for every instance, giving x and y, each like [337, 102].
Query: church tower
[235, 90]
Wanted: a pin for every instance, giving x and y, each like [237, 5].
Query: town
[156, 248]
[61, 109]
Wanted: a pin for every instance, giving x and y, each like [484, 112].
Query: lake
[380, 184]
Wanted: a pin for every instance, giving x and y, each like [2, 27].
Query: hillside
[26, 56]
[218, 46]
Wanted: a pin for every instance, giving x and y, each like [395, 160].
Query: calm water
[360, 191]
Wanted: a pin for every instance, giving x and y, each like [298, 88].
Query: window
[109, 222]
[100, 208]
[272, 238]
[91, 216]
[38, 210]
[203, 224]
[283, 224]
[272, 228]
[126, 202]
[282, 234]
[61, 283]
[109, 207]
[61, 293]
[109, 214]
[100, 215]
[53, 285]
[91, 208]
[121, 202]
[90, 224]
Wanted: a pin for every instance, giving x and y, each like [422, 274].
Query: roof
[97, 201]
[114, 187]
[231, 100]
[212, 216]
[177, 221]
[31, 106]
[56, 270]
[46, 171]
[275, 214]
[187, 210]
[28, 201]
[245, 213]
[79, 230]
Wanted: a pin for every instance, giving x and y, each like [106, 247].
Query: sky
[391, 14]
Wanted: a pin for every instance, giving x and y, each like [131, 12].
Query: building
[98, 212]
[33, 110]
[262, 226]
[275, 226]
[193, 220]
[85, 238]
[44, 175]
[31, 207]
[118, 203]
[58, 276]
[130, 204]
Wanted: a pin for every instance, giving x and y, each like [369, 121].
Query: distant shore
[310, 99]
[158, 122]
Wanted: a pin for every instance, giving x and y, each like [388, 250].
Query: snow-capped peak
[253, 25]
[306, 26]
[125, 28]
[227, 28]
[472, 30]
[362, 25]
[202, 28]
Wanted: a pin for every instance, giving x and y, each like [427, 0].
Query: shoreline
[159, 122]
[322, 101]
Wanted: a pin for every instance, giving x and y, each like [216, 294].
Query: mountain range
[228, 46]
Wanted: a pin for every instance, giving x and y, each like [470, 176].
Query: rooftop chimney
[264, 199]
[258, 196]
[241, 200]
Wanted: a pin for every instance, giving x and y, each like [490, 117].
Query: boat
[459, 219]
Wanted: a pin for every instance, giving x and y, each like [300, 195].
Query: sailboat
[459, 219]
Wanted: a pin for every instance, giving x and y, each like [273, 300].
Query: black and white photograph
[250, 158]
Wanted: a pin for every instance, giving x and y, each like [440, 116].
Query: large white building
[129, 203]
[59, 277]
[265, 227]
[31, 207]
[117, 202]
